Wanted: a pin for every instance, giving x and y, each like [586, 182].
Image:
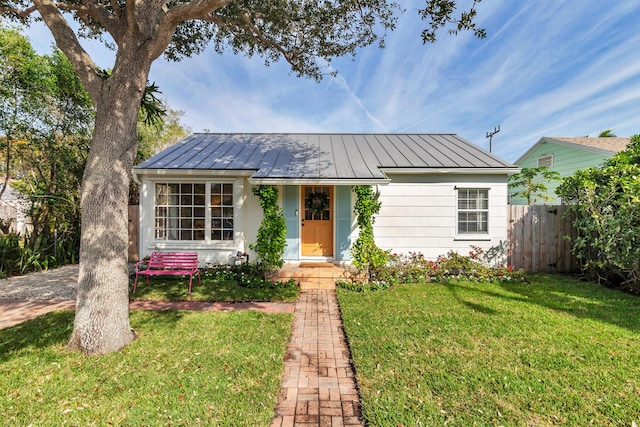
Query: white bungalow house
[439, 193]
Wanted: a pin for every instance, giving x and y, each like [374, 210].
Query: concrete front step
[313, 275]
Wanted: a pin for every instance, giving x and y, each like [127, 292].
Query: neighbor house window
[473, 210]
[545, 161]
[181, 211]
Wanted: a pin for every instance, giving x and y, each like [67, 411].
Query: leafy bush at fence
[606, 204]
[415, 268]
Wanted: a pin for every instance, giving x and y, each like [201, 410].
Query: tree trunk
[102, 306]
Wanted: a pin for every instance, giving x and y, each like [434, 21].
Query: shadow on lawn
[176, 289]
[565, 294]
[45, 331]
[54, 329]
[172, 289]
[469, 304]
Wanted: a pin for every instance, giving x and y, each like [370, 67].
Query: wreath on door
[317, 202]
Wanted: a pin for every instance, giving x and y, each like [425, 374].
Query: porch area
[315, 275]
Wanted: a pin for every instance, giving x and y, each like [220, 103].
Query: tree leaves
[606, 203]
[528, 183]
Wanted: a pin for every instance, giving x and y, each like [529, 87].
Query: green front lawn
[187, 368]
[175, 288]
[555, 351]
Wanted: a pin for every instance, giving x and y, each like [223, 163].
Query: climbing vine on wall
[272, 232]
[364, 252]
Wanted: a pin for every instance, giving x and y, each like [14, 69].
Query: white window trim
[480, 236]
[207, 243]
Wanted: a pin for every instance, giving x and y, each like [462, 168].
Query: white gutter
[457, 171]
[191, 172]
[319, 181]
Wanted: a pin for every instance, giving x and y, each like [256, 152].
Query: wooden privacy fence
[537, 239]
[134, 220]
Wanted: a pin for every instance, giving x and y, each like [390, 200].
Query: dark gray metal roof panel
[322, 156]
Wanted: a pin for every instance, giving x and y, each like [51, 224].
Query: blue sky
[546, 68]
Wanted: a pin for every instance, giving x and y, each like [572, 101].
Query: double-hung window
[473, 211]
[194, 211]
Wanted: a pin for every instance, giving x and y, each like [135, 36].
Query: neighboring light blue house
[438, 193]
[566, 156]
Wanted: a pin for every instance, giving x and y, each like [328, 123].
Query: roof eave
[192, 172]
[319, 181]
[457, 171]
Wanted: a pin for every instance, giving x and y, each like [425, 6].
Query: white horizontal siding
[422, 216]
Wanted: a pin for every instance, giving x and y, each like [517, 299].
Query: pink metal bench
[169, 263]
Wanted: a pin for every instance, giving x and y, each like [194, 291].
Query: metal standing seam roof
[321, 156]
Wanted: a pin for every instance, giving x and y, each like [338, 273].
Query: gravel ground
[56, 284]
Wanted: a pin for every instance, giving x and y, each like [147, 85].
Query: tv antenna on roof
[490, 136]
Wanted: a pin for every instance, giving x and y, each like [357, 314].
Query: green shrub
[404, 268]
[415, 268]
[606, 204]
[21, 255]
[366, 255]
[369, 286]
[10, 254]
[248, 275]
[271, 239]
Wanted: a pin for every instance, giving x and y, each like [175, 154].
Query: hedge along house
[438, 193]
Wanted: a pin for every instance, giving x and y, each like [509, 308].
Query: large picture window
[193, 211]
[473, 211]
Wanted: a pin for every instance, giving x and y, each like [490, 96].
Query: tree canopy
[306, 34]
[607, 133]
[45, 132]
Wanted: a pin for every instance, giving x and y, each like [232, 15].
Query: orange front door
[317, 221]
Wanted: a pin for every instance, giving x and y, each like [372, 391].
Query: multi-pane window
[473, 210]
[181, 211]
[317, 203]
[221, 211]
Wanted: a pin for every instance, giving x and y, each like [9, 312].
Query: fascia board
[452, 171]
[192, 172]
[318, 181]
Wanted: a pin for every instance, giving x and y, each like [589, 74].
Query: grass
[556, 351]
[175, 288]
[187, 368]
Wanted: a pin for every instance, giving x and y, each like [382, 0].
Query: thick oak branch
[67, 41]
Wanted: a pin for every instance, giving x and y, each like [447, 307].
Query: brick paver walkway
[318, 388]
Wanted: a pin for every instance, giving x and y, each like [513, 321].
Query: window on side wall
[473, 211]
[194, 211]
